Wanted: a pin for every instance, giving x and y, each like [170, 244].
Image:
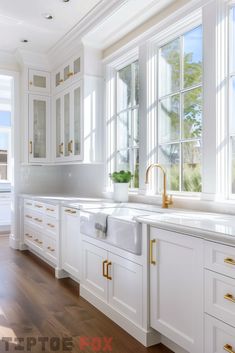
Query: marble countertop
[216, 227]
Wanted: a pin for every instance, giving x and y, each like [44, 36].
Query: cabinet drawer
[28, 204]
[52, 210]
[220, 297]
[33, 238]
[50, 249]
[220, 337]
[51, 226]
[220, 258]
[38, 206]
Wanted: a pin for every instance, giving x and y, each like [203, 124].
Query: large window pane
[193, 57]
[5, 118]
[4, 147]
[124, 86]
[169, 119]
[169, 72]
[124, 130]
[192, 124]
[169, 158]
[191, 166]
[233, 164]
[123, 160]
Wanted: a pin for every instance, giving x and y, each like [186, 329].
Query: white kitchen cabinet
[115, 280]
[67, 74]
[176, 288]
[39, 81]
[70, 242]
[67, 108]
[94, 267]
[219, 337]
[39, 128]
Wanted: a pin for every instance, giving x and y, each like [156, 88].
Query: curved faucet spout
[166, 200]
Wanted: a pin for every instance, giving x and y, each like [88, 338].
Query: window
[180, 111]
[232, 98]
[127, 121]
[5, 122]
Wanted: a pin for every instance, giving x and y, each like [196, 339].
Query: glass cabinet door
[59, 143]
[38, 128]
[77, 121]
[67, 141]
[39, 81]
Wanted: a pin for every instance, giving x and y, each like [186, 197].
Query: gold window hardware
[152, 261]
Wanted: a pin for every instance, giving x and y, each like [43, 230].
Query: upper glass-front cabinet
[39, 81]
[68, 125]
[39, 125]
[67, 74]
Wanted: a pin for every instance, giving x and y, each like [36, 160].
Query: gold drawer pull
[229, 261]
[39, 206]
[50, 225]
[229, 297]
[152, 261]
[50, 209]
[107, 276]
[228, 348]
[69, 74]
[28, 216]
[61, 80]
[49, 248]
[70, 211]
[30, 147]
[61, 148]
[103, 272]
[38, 220]
[28, 236]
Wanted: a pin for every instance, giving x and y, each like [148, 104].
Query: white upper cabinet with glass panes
[39, 81]
[67, 74]
[180, 111]
[67, 115]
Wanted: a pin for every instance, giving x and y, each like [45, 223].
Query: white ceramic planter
[121, 192]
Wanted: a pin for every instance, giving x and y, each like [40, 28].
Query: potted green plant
[121, 182]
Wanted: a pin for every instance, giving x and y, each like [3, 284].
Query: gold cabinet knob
[229, 297]
[229, 261]
[228, 348]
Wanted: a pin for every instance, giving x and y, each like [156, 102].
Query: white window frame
[112, 69]
[7, 130]
[167, 35]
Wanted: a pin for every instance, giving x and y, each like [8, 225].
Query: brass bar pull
[229, 297]
[152, 261]
[61, 148]
[28, 236]
[70, 211]
[50, 225]
[70, 146]
[28, 216]
[61, 80]
[229, 261]
[50, 209]
[70, 74]
[30, 147]
[229, 348]
[108, 276]
[103, 272]
[38, 220]
[38, 206]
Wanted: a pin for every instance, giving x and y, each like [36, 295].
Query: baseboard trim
[172, 346]
[147, 338]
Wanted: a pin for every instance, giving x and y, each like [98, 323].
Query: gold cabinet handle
[28, 236]
[50, 209]
[103, 271]
[229, 297]
[61, 80]
[50, 249]
[50, 225]
[39, 206]
[108, 276]
[28, 216]
[30, 147]
[61, 148]
[70, 146]
[229, 348]
[69, 74]
[38, 220]
[229, 261]
[70, 211]
[152, 261]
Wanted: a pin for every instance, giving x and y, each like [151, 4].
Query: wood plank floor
[39, 313]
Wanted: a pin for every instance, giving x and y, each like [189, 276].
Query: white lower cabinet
[115, 280]
[219, 337]
[70, 242]
[176, 288]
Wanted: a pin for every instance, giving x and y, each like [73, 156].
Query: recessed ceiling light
[47, 16]
[24, 40]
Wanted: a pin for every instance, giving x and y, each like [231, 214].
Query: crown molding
[67, 45]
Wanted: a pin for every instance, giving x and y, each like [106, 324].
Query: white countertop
[216, 227]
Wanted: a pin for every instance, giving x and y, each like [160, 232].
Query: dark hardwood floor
[39, 313]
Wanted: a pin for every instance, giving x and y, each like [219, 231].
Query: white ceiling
[129, 16]
[22, 19]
